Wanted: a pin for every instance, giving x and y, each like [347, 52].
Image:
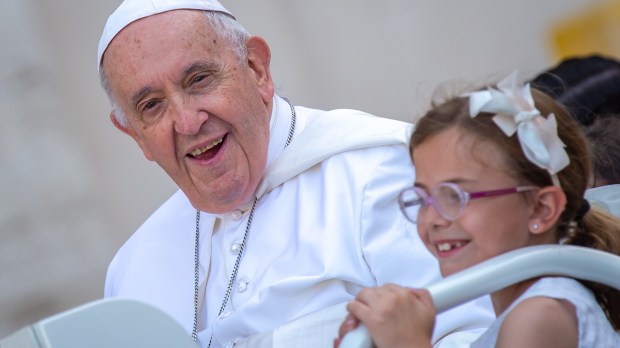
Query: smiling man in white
[283, 212]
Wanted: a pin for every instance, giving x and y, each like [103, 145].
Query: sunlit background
[73, 188]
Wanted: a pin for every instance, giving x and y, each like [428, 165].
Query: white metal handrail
[509, 268]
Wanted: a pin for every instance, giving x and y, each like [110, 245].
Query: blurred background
[73, 188]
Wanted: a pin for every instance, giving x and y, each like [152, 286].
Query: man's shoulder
[174, 208]
[343, 137]
[354, 133]
[159, 242]
[164, 223]
[353, 117]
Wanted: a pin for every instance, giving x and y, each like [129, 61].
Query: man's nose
[188, 117]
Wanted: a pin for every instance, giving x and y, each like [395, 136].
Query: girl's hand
[395, 316]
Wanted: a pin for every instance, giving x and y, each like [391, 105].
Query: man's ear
[132, 133]
[549, 204]
[259, 58]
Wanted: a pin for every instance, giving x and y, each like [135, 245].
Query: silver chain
[293, 121]
[196, 276]
[233, 276]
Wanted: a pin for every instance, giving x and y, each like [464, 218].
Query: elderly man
[283, 211]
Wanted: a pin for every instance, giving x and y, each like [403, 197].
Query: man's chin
[214, 204]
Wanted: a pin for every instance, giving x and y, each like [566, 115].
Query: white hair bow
[515, 112]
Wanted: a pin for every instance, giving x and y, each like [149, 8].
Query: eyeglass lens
[447, 199]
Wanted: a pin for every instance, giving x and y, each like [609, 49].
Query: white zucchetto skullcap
[132, 10]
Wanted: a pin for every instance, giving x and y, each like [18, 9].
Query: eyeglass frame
[464, 198]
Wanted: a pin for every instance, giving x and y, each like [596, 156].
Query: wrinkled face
[488, 226]
[193, 107]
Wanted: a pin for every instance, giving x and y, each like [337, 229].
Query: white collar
[279, 126]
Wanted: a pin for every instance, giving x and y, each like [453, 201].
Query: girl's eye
[414, 202]
[454, 197]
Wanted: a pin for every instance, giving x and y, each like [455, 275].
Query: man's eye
[149, 105]
[199, 78]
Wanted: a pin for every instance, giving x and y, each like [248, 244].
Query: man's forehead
[132, 10]
[178, 35]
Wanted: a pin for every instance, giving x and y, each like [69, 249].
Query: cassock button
[224, 315]
[242, 286]
[235, 248]
[236, 214]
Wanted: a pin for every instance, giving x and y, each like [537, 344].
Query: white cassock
[326, 225]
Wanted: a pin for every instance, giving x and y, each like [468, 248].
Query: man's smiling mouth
[209, 151]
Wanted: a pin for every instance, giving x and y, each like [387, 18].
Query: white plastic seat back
[509, 268]
[118, 323]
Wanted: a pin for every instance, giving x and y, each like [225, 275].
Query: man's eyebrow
[139, 95]
[199, 66]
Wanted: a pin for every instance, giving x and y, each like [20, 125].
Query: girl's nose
[430, 216]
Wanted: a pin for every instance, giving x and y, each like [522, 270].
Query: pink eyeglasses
[449, 199]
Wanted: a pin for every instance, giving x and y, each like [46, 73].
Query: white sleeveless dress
[594, 328]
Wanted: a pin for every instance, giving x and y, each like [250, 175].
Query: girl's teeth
[443, 247]
[447, 246]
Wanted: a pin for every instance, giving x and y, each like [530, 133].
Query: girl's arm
[540, 322]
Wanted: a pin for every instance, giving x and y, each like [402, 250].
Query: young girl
[496, 170]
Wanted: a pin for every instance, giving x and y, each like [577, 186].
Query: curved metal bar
[509, 268]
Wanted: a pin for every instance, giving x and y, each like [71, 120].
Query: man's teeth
[449, 246]
[204, 149]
